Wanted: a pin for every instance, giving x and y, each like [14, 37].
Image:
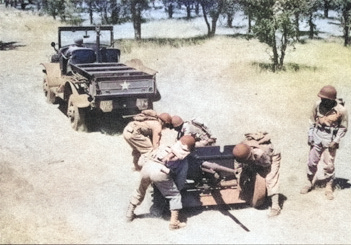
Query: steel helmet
[327, 92]
[165, 117]
[78, 41]
[188, 140]
[242, 151]
[177, 121]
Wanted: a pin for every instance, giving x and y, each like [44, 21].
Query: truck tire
[76, 116]
[253, 188]
[50, 96]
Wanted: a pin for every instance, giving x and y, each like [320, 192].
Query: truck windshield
[89, 36]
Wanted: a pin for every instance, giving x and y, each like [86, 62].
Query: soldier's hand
[333, 145]
[310, 140]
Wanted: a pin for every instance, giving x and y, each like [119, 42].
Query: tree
[344, 9]
[211, 9]
[230, 7]
[326, 7]
[169, 7]
[135, 9]
[274, 26]
[188, 6]
[246, 7]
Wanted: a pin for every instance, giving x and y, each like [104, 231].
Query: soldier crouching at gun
[257, 152]
[155, 169]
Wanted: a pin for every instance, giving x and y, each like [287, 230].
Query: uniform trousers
[151, 172]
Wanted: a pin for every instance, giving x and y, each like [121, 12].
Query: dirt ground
[61, 186]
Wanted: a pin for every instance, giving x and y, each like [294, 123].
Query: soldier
[201, 133]
[202, 137]
[328, 124]
[78, 43]
[143, 134]
[257, 152]
[155, 170]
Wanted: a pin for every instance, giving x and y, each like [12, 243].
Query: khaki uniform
[154, 171]
[266, 158]
[202, 138]
[326, 126]
[142, 136]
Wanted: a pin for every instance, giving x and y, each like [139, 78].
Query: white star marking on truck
[125, 85]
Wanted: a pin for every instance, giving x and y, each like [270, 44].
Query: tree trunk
[91, 13]
[249, 17]
[115, 12]
[311, 25]
[275, 53]
[326, 8]
[230, 20]
[197, 8]
[346, 24]
[297, 26]
[284, 42]
[170, 11]
[136, 17]
[206, 19]
[188, 12]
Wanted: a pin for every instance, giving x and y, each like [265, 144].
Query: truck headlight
[142, 104]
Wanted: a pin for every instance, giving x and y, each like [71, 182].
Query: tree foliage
[274, 26]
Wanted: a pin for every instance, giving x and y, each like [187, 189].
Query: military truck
[90, 77]
[212, 179]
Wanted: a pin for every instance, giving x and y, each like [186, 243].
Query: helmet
[78, 41]
[177, 121]
[166, 118]
[328, 92]
[188, 140]
[242, 151]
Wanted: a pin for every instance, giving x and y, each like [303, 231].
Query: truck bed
[117, 79]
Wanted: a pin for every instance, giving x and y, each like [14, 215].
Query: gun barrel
[217, 167]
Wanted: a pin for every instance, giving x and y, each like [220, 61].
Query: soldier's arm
[342, 127]
[312, 120]
[156, 135]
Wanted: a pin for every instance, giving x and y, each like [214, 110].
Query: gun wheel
[76, 116]
[253, 188]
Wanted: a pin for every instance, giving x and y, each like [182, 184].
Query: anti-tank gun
[212, 179]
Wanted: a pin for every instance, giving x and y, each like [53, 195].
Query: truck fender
[53, 74]
[80, 100]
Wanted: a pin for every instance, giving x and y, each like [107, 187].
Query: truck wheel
[76, 116]
[253, 188]
[50, 96]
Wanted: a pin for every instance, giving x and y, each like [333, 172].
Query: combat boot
[275, 209]
[175, 223]
[329, 190]
[130, 212]
[308, 187]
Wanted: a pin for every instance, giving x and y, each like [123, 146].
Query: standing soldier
[155, 169]
[197, 129]
[328, 124]
[256, 152]
[143, 134]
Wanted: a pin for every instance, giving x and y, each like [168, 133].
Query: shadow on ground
[4, 46]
